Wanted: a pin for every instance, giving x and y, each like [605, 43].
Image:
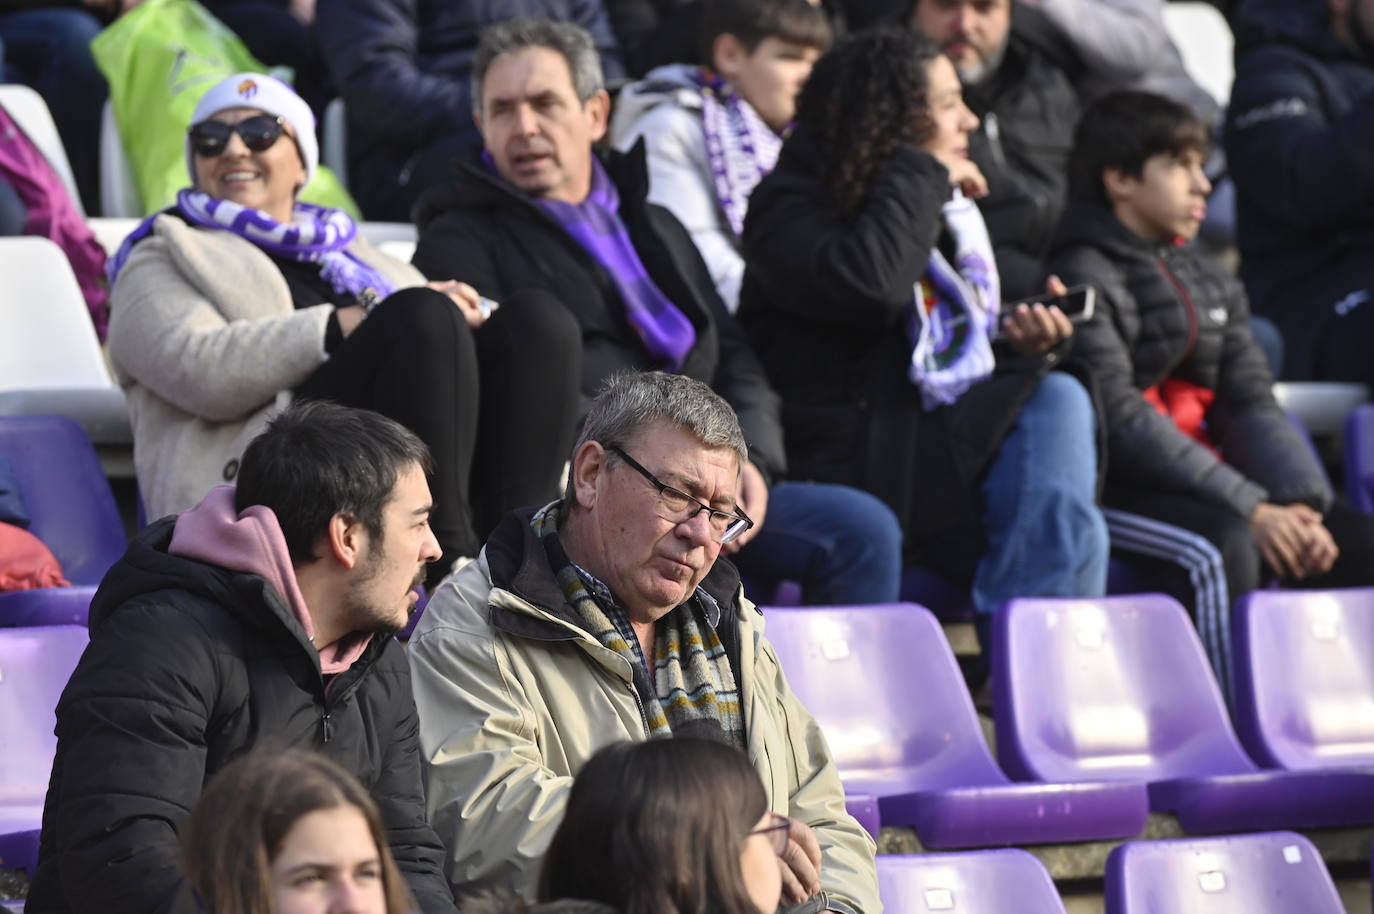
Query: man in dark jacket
[402, 68]
[541, 210]
[1195, 438]
[261, 617]
[1026, 107]
[1299, 138]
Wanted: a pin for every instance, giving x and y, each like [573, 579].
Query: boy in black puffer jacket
[1195, 438]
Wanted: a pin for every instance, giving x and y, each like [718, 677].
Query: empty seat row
[1104, 710]
[1270, 873]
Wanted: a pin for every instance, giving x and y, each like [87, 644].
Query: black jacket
[499, 241]
[403, 67]
[825, 302]
[1165, 311]
[1027, 111]
[189, 667]
[1300, 147]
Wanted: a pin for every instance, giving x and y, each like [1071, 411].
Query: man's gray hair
[633, 400]
[567, 38]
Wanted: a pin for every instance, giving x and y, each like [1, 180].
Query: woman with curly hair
[872, 296]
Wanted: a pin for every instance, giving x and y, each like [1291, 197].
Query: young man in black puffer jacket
[1195, 438]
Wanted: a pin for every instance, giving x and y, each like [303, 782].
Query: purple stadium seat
[885, 687]
[864, 808]
[35, 664]
[1271, 873]
[71, 510]
[1305, 677]
[971, 882]
[1119, 688]
[1358, 450]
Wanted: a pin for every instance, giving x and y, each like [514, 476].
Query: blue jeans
[49, 49]
[1046, 536]
[842, 544]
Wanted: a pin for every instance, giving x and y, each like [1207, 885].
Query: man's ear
[344, 539]
[1118, 184]
[598, 107]
[727, 56]
[587, 466]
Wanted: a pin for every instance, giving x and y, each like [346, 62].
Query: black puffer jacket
[1027, 111]
[825, 301]
[483, 229]
[189, 667]
[1164, 311]
[403, 67]
[1300, 146]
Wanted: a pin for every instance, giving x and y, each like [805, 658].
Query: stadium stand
[34, 666]
[884, 685]
[1274, 873]
[71, 509]
[972, 882]
[1305, 677]
[50, 360]
[1119, 688]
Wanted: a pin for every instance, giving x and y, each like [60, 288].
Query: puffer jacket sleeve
[816, 796]
[400, 799]
[131, 726]
[1145, 448]
[372, 48]
[852, 274]
[167, 335]
[490, 798]
[1250, 428]
[1288, 155]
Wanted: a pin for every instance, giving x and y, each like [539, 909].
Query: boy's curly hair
[865, 98]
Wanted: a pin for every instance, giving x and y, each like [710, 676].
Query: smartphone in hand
[1077, 303]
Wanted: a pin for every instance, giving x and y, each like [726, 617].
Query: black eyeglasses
[259, 133]
[777, 832]
[677, 506]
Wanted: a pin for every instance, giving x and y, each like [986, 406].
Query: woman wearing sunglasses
[240, 297]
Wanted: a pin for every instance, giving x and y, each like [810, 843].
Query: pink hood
[252, 542]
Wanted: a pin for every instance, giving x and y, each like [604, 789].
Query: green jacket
[514, 697]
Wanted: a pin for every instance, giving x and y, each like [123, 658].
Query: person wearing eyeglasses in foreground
[240, 298]
[290, 833]
[688, 817]
[608, 616]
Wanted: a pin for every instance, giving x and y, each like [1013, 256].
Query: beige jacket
[514, 697]
[207, 344]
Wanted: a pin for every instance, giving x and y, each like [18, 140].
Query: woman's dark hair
[317, 459]
[240, 821]
[1122, 130]
[657, 828]
[865, 98]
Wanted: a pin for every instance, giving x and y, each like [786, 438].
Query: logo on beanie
[248, 88]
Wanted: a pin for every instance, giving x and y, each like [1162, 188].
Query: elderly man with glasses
[606, 616]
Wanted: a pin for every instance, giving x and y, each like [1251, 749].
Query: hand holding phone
[1077, 303]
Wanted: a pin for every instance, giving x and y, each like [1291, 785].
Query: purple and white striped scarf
[315, 234]
[740, 147]
[954, 315]
[595, 224]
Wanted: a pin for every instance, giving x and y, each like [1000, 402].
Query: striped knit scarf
[954, 317]
[740, 147]
[693, 682]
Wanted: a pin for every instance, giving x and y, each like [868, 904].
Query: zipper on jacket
[1188, 306]
[994, 134]
[327, 720]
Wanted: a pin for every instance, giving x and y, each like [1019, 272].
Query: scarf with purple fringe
[954, 317]
[595, 224]
[315, 234]
[740, 147]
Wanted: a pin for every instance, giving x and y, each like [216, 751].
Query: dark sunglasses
[259, 132]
